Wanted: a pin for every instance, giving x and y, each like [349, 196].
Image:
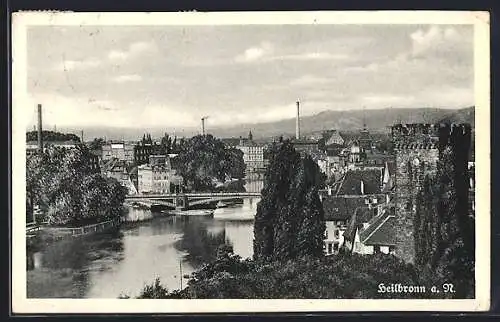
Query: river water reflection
[123, 261]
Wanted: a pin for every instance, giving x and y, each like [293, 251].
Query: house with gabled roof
[361, 182]
[376, 235]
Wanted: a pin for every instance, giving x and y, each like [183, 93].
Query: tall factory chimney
[40, 141]
[297, 122]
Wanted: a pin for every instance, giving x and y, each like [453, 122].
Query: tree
[63, 183]
[204, 158]
[444, 230]
[236, 165]
[96, 144]
[332, 277]
[52, 136]
[289, 222]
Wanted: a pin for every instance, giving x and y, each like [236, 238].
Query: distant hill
[465, 115]
[377, 120]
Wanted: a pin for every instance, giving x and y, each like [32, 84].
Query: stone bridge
[185, 200]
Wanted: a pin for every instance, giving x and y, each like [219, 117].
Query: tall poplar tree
[289, 222]
[444, 229]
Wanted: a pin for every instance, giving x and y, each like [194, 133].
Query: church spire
[250, 136]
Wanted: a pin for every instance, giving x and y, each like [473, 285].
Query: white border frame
[20, 22]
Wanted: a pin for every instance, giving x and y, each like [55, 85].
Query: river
[107, 265]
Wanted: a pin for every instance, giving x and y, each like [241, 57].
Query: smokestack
[40, 142]
[297, 122]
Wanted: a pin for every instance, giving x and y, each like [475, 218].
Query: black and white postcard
[250, 162]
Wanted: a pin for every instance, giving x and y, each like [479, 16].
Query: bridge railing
[214, 194]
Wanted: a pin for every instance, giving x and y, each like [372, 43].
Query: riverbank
[122, 261]
[48, 234]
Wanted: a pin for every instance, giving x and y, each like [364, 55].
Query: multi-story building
[157, 176]
[334, 139]
[118, 169]
[253, 154]
[306, 146]
[142, 151]
[118, 150]
[32, 146]
[371, 233]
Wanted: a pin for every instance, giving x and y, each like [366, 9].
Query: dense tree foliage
[444, 228]
[169, 144]
[69, 191]
[52, 136]
[289, 222]
[96, 144]
[334, 277]
[204, 158]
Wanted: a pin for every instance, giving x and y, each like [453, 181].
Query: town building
[337, 212]
[231, 143]
[144, 148]
[365, 140]
[118, 150]
[321, 159]
[389, 179]
[306, 146]
[253, 154]
[360, 182]
[157, 176]
[118, 169]
[370, 234]
[32, 146]
[355, 153]
[334, 139]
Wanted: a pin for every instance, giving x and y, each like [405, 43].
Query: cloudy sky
[171, 76]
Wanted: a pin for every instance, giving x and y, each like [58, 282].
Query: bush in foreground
[334, 277]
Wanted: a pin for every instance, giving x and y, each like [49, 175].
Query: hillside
[465, 115]
[376, 120]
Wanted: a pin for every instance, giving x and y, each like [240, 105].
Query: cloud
[306, 80]
[135, 49]
[116, 55]
[387, 99]
[266, 52]
[255, 53]
[127, 78]
[68, 65]
[312, 56]
[437, 40]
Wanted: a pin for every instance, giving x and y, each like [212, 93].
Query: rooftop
[303, 141]
[342, 208]
[56, 143]
[370, 180]
[359, 217]
[380, 230]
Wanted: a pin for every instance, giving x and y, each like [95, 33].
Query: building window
[329, 248]
[336, 247]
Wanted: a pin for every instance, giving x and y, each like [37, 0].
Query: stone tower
[416, 154]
